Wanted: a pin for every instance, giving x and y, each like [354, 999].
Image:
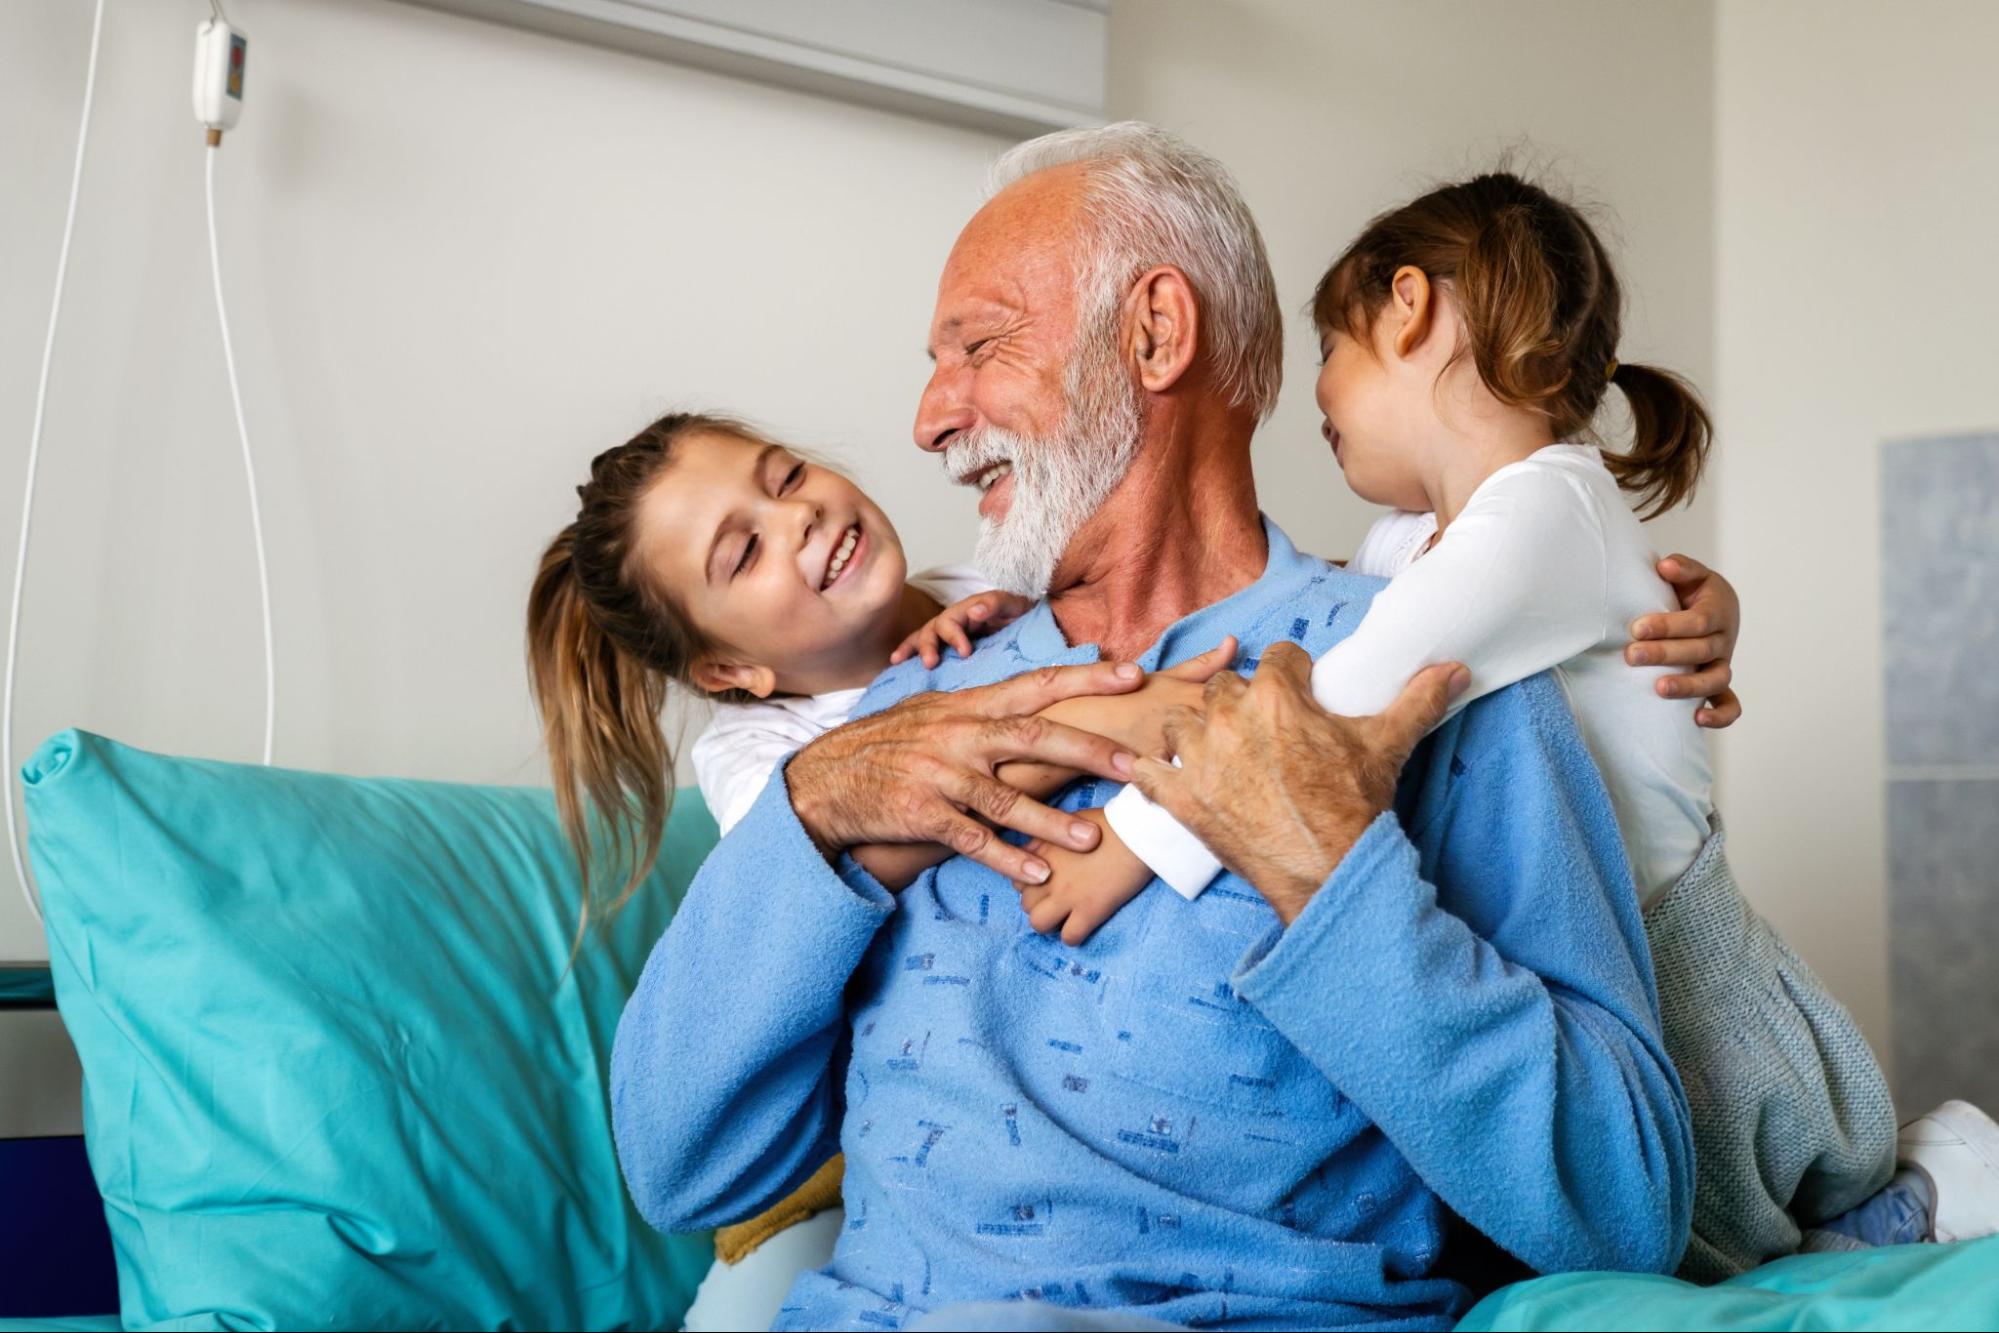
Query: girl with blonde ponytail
[707, 557]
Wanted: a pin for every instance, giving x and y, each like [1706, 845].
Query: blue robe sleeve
[1483, 992]
[727, 1071]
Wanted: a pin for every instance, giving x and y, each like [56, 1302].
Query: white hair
[1152, 198]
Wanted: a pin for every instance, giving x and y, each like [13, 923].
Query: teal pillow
[1900, 1286]
[338, 1072]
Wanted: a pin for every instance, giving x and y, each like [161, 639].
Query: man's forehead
[994, 300]
[1037, 211]
[1014, 251]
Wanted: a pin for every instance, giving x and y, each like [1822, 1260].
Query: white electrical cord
[28, 892]
[34, 458]
[249, 469]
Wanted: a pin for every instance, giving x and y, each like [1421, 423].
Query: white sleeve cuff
[1162, 842]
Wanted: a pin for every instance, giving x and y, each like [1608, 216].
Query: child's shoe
[1957, 1147]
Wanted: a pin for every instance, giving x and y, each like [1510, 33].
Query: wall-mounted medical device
[219, 55]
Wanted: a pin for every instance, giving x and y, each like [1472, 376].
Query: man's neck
[1180, 532]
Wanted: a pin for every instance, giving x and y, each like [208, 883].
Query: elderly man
[1261, 1108]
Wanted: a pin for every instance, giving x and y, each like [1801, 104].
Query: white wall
[461, 259]
[1858, 182]
[1803, 195]
[1329, 112]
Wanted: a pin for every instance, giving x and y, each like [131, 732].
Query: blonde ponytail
[605, 645]
[607, 752]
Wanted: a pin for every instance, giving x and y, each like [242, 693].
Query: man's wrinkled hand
[1277, 787]
[924, 771]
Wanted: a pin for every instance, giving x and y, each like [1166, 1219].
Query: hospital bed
[340, 1071]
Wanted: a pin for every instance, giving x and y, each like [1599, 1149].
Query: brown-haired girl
[1470, 339]
[706, 556]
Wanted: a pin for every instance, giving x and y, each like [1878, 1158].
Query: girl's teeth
[839, 560]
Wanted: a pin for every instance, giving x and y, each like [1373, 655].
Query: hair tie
[1610, 371]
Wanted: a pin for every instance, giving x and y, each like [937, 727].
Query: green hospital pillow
[337, 1073]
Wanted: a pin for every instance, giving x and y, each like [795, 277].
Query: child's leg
[1792, 1121]
[1956, 1150]
[1947, 1188]
[1899, 1214]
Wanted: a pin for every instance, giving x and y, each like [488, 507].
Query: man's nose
[941, 415]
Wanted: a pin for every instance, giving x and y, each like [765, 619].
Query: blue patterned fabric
[1197, 1116]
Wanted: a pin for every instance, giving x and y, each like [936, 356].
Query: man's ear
[713, 677]
[1412, 308]
[1165, 327]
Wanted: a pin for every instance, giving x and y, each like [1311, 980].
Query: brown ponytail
[1542, 312]
[604, 645]
[1670, 436]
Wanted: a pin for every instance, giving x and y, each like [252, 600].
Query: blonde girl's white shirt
[1545, 568]
[744, 743]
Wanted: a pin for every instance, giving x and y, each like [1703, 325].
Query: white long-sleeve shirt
[739, 748]
[1545, 568]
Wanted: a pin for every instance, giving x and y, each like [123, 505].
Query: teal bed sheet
[1906, 1287]
[1901, 1287]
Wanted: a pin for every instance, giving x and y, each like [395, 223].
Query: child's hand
[1137, 720]
[957, 623]
[1086, 888]
[1701, 636]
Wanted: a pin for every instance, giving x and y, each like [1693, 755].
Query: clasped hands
[1276, 786]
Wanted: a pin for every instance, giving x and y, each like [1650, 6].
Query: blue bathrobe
[1199, 1115]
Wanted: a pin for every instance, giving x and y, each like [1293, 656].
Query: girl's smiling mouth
[847, 557]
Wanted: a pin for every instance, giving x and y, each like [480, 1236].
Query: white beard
[1058, 483]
